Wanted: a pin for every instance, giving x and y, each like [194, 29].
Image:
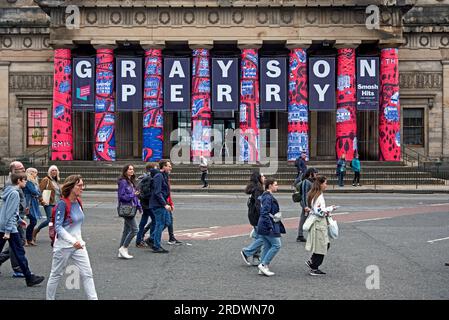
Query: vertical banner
[322, 84]
[225, 78]
[346, 124]
[176, 84]
[273, 84]
[62, 136]
[153, 118]
[128, 77]
[83, 84]
[389, 113]
[104, 149]
[367, 83]
[201, 111]
[298, 109]
[249, 106]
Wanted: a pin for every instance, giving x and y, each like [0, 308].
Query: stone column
[249, 103]
[4, 109]
[62, 135]
[104, 148]
[346, 122]
[201, 108]
[389, 111]
[298, 104]
[153, 117]
[445, 115]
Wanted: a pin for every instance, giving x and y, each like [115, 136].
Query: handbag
[332, 228]
[46, 194]
[126, 210]
[309, 222]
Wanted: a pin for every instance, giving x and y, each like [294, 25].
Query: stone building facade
[31, 31]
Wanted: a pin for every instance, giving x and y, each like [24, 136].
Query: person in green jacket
[355, 165]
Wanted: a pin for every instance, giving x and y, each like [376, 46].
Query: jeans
[9, 254]
[356, 177]
[129, 231]
[341, 176]
[30, 228]
[16, 249]
[171, 234]
[317, 259]
[271, 246]
[44, 224]
[255, 247]
[204, 178]
[143, 228]
[302, 219]
[81, 260]
[163, 218]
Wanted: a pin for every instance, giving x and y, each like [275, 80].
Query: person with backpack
[300, 164]
[269, 227]
[128, 195]
[144, 187]
[355, 165]
[255, 189]
[303, 188]
[341, 170]
[9, 219]
[32, 195]
[68, 217]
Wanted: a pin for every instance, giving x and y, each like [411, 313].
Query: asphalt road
[410, 265]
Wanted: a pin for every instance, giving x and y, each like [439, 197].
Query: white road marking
[436, 240]
[438, 204]
[374, 219]
[227, 237]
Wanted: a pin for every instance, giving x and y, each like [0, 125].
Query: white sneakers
[264, 269]
[123, 253]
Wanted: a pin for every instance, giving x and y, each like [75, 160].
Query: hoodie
[9, 211]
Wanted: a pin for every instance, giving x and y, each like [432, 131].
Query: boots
[123, 253]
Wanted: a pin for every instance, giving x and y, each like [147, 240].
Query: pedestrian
[341, 170]
[160, 205]
[32, 195]
[303, 188]
[204, 171]
[145, 188]
[127, 194]
[270, 226]
[49, 183]
[170, 228]
[300, 164]
[9, 219]
[355, 165]
[69, 243]
[255, 189]
[15, 167]
[318, 238]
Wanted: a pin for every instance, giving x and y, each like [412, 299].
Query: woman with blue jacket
[269, 227]
[32, 195]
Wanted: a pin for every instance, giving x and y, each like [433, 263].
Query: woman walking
[128, 195]
[32, 195]
[269, 227]
[69, 243]
[49, 184]
[318, 238]
[255, 189]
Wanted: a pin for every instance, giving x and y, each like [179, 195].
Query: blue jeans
[48, 210]
[341, 176]
[147, 213]
[16, 248]
[163, 220]
[255, 247]
[271, 246]
[30, 228]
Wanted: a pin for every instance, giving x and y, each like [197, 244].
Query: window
[413, 123]
[184, 122]
[37, 127]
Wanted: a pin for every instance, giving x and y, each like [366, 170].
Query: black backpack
[253, 210]
[145, 186]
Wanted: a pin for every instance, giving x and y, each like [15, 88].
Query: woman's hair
[29, 172]
[315, 191]
[269, 182]
[15, 177]
[53, 167]
[131, 180]
[254, 183]
[69, 183]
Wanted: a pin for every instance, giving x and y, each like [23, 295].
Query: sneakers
[17, 274]
[317, 272]
[160, 250]
[149, 242]
[245, 258]
[301, 239]
[34, 280]
[353, 184]
[175, 242]
[123, 253]
[264, 269]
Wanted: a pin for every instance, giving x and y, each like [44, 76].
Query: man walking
[159, 204]
[304, 187]
[300, 164]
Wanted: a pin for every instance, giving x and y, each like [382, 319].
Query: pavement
[391, 246]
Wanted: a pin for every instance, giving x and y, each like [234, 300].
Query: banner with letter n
[367, 83]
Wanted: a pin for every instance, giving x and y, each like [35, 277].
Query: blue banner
[83, 84]
[129, 80]
[225, 84]
[177, 84]
[368, 83]
[273, 84]
[322, 84]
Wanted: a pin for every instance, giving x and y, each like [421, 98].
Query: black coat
[254, 205]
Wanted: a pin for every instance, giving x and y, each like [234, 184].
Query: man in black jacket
[301, 166]
[304, 187]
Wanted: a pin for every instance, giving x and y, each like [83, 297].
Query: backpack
[253, 210]
[51, 225]
[297, 195]
[145, 186]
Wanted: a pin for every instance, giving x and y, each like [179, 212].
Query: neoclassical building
[101, 80]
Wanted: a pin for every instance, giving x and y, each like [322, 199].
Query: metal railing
[42, 154]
